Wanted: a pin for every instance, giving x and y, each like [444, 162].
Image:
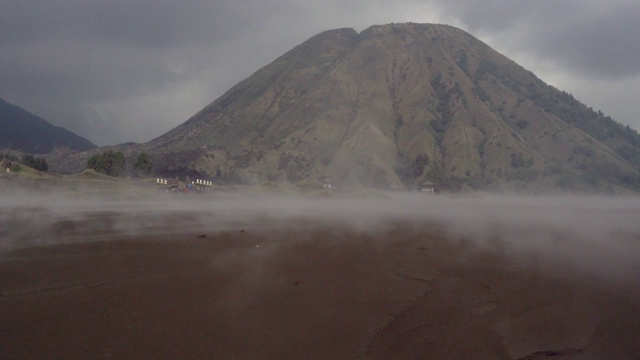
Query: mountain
[23, 131]
[397, 105]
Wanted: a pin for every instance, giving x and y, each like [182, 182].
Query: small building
[174, 184]
[428, 187]
[168, 184]
[203, 185]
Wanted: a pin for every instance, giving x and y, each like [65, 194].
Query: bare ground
[312, 292]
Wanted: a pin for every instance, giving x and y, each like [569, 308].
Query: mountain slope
[397, 105]
[28, 133]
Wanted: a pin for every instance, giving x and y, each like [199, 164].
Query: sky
[117, 71]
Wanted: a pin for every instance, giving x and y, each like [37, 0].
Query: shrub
[109, 163]
[143, 165]
[35, 163]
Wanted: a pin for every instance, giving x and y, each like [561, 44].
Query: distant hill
[397, 105]
[25, 132]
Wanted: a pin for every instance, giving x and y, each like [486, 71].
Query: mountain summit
[23, 131]
[397, 105]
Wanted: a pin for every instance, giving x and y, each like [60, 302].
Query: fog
[599, 235]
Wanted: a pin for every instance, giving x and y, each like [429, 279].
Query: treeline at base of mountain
[113, 163]
[13, 162]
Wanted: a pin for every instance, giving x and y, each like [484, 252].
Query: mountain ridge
[26, 132]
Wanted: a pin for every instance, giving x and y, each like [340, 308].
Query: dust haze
[597, 235]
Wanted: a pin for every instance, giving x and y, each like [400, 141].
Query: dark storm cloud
[82, 55]
[130, 70]
[102, 49]
[144, 23]
[594, 38]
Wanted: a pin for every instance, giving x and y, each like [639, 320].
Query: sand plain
[400, 276]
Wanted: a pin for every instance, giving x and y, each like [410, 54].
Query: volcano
[395, 106]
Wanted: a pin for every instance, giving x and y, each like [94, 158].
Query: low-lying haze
[594, 234]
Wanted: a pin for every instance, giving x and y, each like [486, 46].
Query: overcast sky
[115, 71]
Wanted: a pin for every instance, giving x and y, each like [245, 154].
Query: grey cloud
[605, 43]
[590, 38]
[145, 23]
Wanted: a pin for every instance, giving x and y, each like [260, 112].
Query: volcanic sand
[305, 292]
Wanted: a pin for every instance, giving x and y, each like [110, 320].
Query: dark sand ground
[306, 292]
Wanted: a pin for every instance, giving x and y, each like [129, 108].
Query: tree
[39, 164]
[143, 165]
[15, 168]
[109, 163]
